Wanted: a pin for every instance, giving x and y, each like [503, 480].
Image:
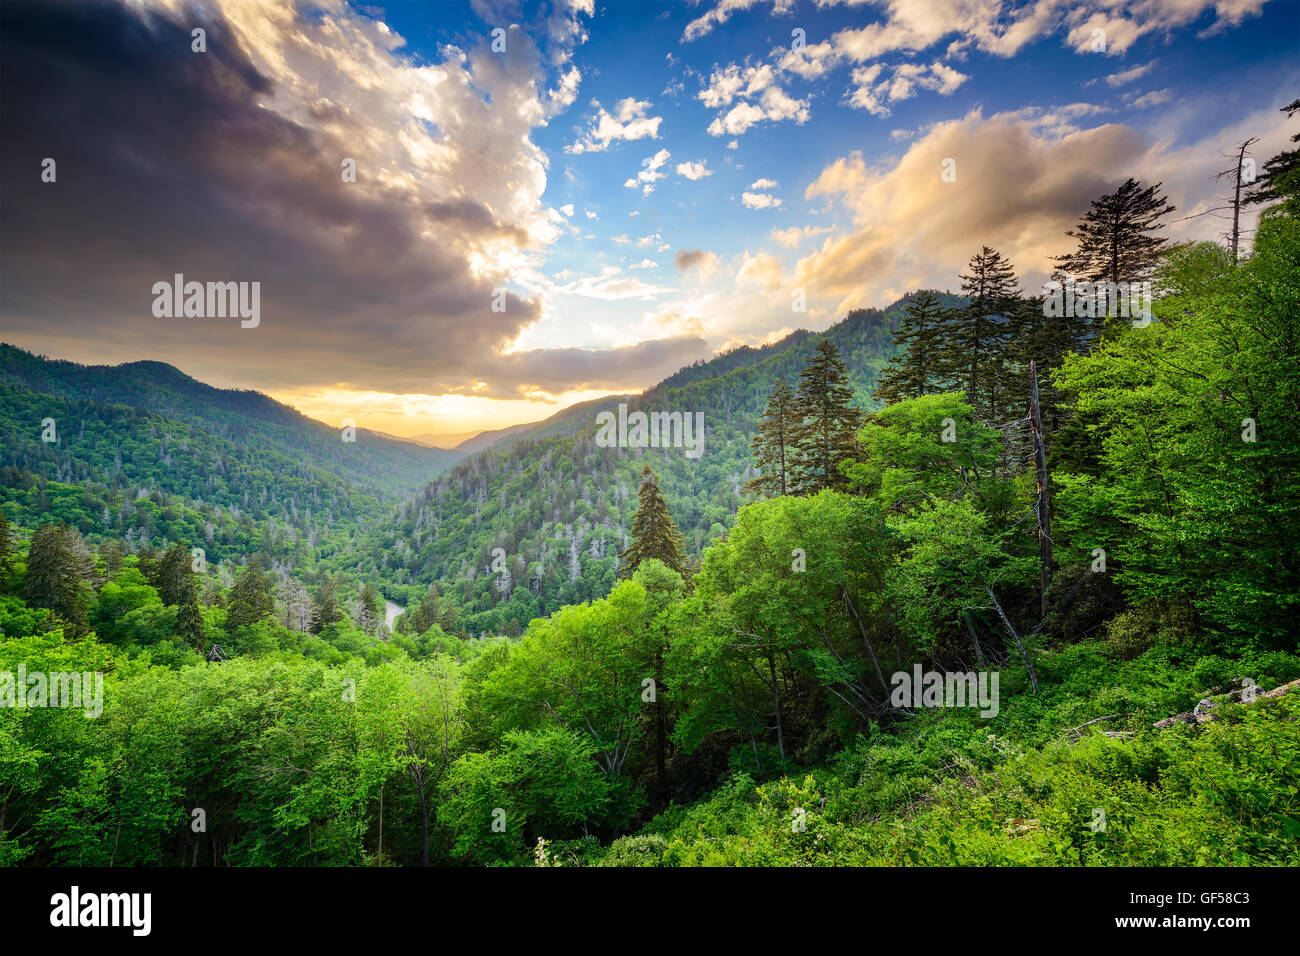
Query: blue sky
[1184, 75]
[651, 182]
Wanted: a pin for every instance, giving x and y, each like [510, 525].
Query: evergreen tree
[149, 563]
[326, 611]
[1279, 182]
[1115, 237]
[369, 610]
[773, 444]
[111, 550]
[974, 347]
[1046, 340]
[212, 596]
[914, 370]
[58, 567]
[654, 533]
[424, 615]
[827, 431]
[189, 618]
[6, 544]
[250, 601]
[175, 574]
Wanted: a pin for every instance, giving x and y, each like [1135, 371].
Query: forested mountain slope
[382, 466]
[146, 453]
[559, 506]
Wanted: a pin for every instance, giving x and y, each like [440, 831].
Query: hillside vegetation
[729, 695]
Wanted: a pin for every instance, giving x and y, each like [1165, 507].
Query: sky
[559, 200]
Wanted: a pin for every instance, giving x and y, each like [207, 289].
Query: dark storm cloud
[168, 161]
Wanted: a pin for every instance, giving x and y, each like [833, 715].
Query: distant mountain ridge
[161, 456]
[559, 506]
[147, 454]
[240, 415]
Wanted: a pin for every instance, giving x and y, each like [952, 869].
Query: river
[391, 611]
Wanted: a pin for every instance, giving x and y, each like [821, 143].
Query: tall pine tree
[250, 600]
[827, 433]
[189, 617]
[1116, 241]
[6, 544]
[326, 611]
[654, 533]
[59, 566]
[774, 444]
[175, 574]
[975, 340]
[915, 369]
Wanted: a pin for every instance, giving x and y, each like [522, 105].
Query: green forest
[623, 657]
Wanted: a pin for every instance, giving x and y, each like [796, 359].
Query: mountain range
[143, 452]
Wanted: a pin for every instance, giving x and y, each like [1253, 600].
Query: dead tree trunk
[848, 603]
[1006, 623]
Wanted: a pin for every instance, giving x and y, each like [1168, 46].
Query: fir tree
[369, 610]
[250, 601]
[1115, 237]
[773, 445]
[425, 613]
[1046, 340]
[189, 618]
[111, 550]
[175, 574]
[914, 370]
[326, 611]
[654, 533]
[827, 431]
[59, 566]
[6, 544]
[975, 341]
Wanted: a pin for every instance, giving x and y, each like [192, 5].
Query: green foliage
[551, 714]
[1197, 489]
[654, 533]
[826, 423]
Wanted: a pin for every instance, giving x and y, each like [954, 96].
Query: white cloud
[734, 82]
[650, 172]
[1124, 76]
[752, 95]
[628, 122]
[694, 170]
[611, 287]
[759, 200]
[790, 238]
[872, 93]
[774, 106]
[1154, 98]
[998, 27]
[721, 13]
